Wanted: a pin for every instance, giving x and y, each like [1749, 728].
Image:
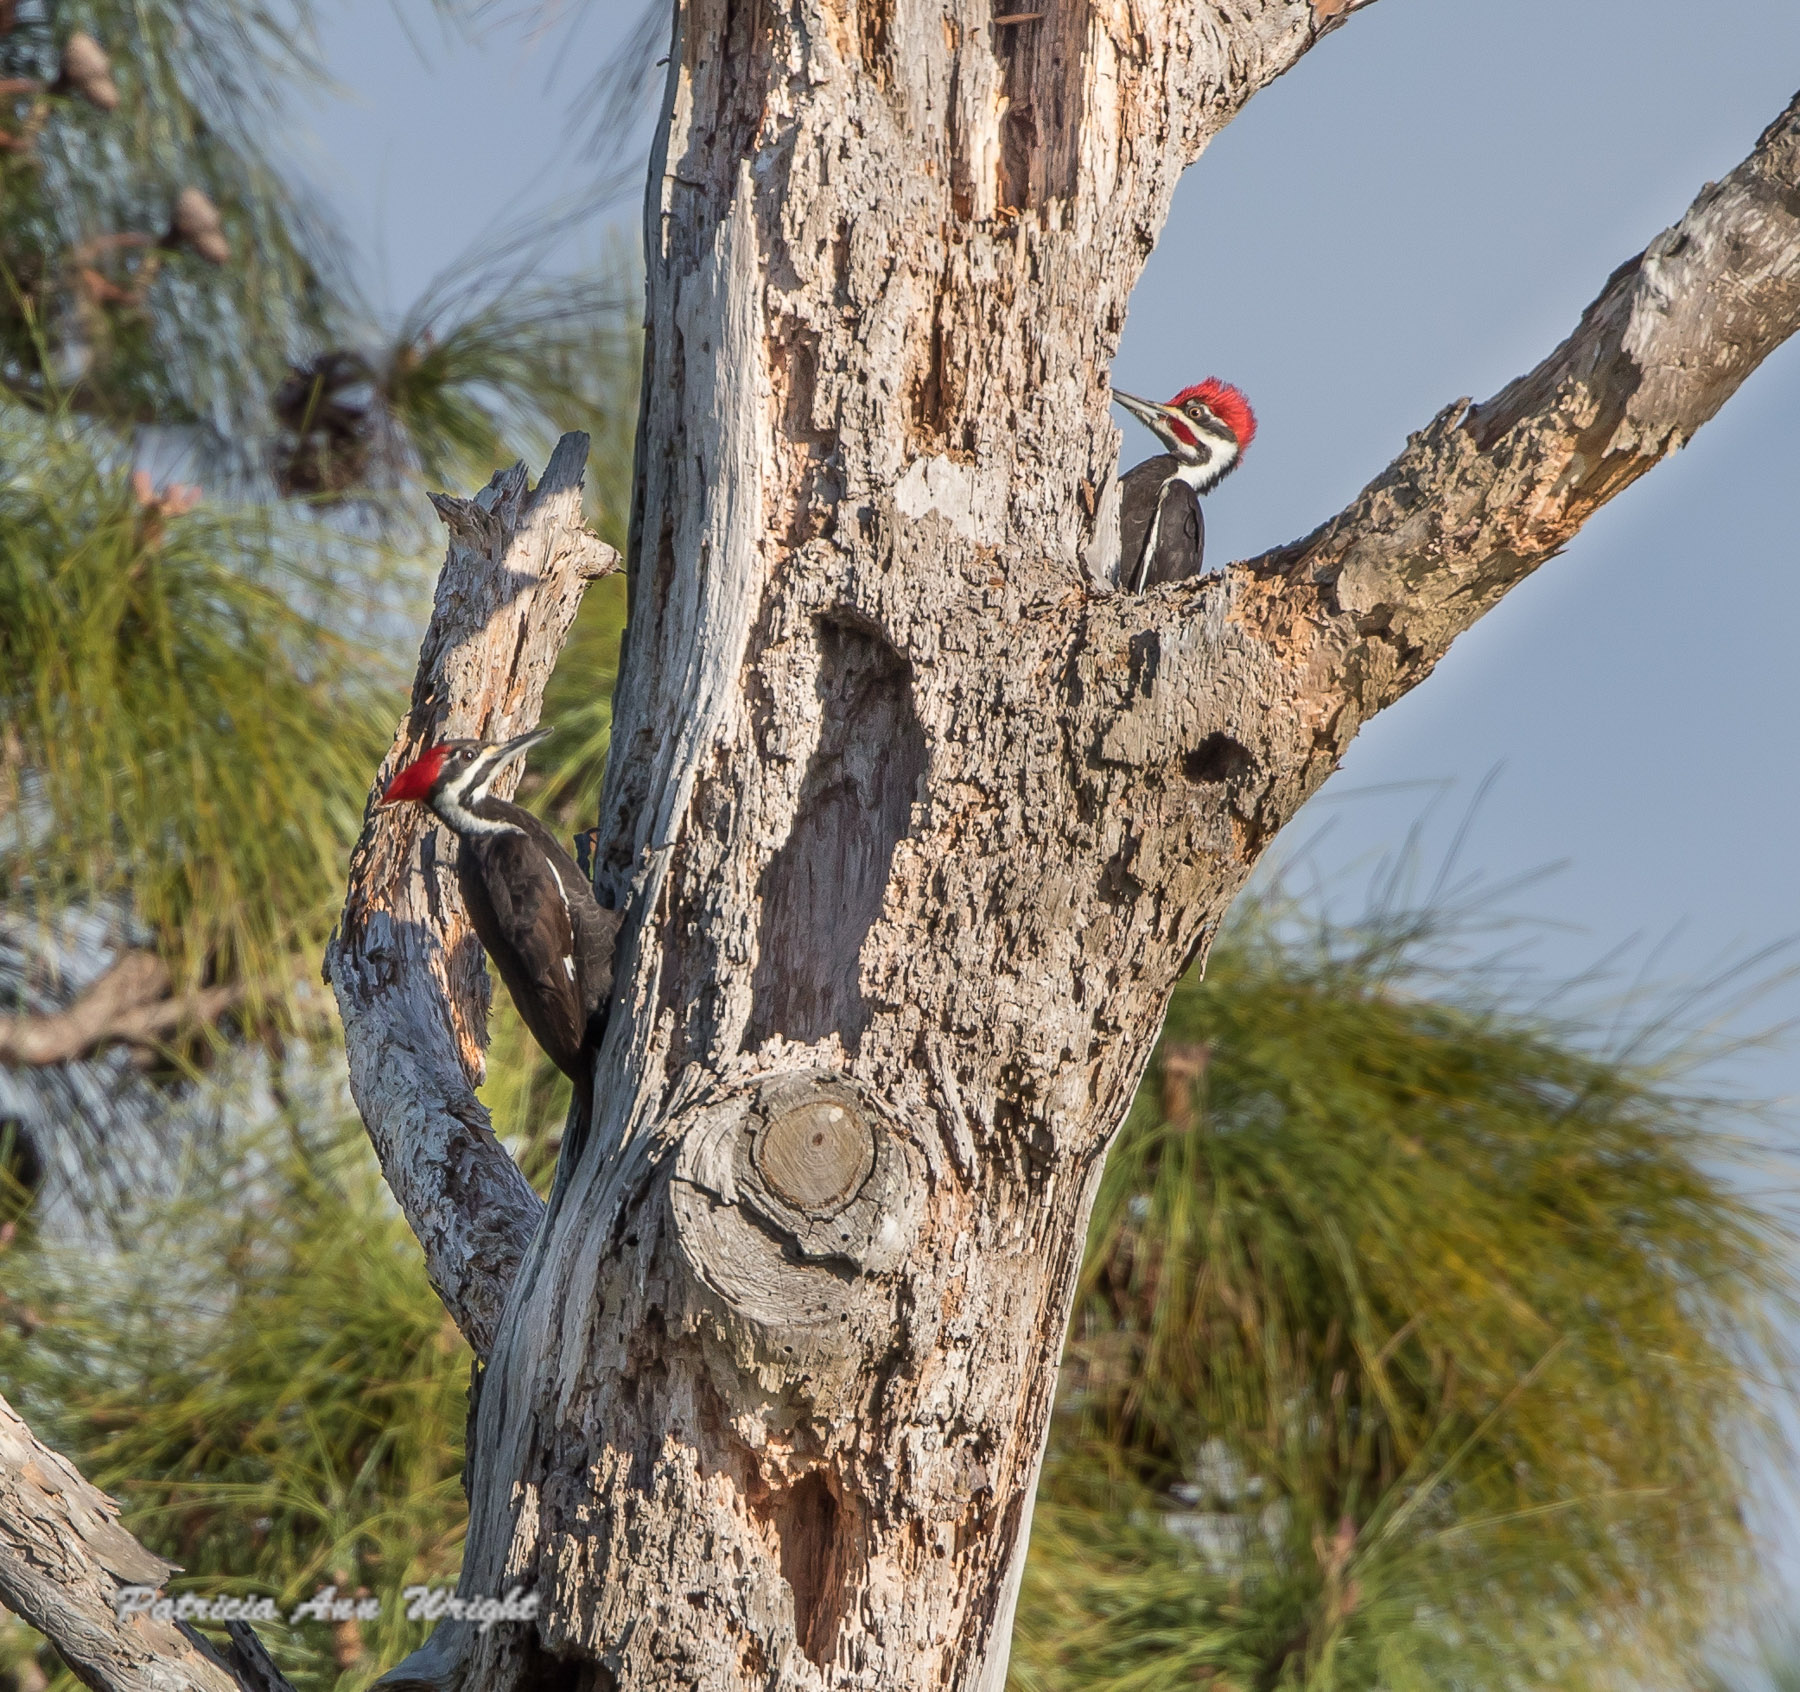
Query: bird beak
[516, 748]
[1155, 417]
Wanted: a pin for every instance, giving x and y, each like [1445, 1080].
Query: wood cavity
[1042, 52]
[815, 486]
[1217, 758]
[875, 25]
[817, 1547]
[822, 891]
[925, 391]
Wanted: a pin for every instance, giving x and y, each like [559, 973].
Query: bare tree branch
[1255, 682]
[917, 829]
[130, 1003]
[406, 966]
[248, 1660]
[1364, 607]
[64, 1563]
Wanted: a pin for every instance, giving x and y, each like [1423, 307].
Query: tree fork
[916, 824]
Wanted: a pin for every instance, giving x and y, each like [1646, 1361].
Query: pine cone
[196, 225]
[87, 71]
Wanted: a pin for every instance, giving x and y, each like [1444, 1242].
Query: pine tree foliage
[1420, 1343]
[186, 723]
[157, 268]
[266, 1374]
[108, 303]
[197, 680]
[493, 363]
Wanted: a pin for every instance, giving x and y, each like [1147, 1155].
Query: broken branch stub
[913, 826]
[405, 964]
[795, 1197]
[65, 1564]
[812, 1155]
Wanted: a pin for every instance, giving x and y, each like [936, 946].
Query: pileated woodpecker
[533, 910]
[1162, 534]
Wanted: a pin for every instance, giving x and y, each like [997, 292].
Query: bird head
[1207, 426]
[460, 771]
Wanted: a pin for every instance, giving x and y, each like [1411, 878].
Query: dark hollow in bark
[818, 1561]
[911, 820]
[822, 891]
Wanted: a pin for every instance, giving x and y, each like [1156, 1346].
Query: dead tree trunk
[917, 821]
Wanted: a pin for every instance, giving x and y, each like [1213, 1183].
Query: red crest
[415, 781]
[1226, 403]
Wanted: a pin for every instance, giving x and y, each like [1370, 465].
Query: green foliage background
[1432, 1335]
[195, 689]
[186, 723]
[1416, 1345]
[1422, 1340]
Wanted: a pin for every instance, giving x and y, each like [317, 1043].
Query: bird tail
[579, 1124]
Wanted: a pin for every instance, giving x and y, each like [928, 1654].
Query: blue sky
[1418, 212]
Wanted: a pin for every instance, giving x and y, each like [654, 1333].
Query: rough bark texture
[404, 963]
[1363, 608]
[64, 1560]
[917, 824]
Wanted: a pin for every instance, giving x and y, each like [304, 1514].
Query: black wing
[596, 928]
[1180, 536]
[1140, 490]
[519, 900]
[596, 940]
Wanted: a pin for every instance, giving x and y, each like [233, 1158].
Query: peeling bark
[916, 824]
[1363, 608]
[65, 1560]
[404, 963]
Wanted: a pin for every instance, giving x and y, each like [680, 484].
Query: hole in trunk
[1217, 758]
[814, 1539]
[546, 1672]
[822, 891]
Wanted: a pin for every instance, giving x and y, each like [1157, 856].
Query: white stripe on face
[457, 797]
[1200, 477]
[472, 786]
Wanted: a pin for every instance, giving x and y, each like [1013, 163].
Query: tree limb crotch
[1263, 676]
[1367, 604]
[405, 965]
[912, 822]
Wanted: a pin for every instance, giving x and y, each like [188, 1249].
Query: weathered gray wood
[1360, 611]
[814, 1157]
[250, 1661]
[64, 1561]
[406, 967]
[910, 815]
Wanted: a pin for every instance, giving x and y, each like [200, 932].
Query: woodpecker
[1206, 429]
[533, 910]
